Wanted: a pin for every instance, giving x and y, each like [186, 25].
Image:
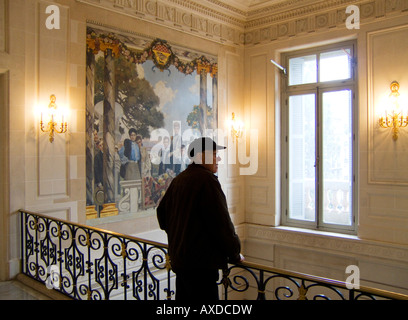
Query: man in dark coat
[201, 236]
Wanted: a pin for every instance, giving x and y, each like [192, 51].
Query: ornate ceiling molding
[320, 16]
[186, 16]
[218, 21]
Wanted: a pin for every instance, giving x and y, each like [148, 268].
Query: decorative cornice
[217, 21]
[230, 9]
[271, 15]
[323, 15]
[185, 16]
[237, 19]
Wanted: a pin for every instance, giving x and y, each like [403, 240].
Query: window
[318, 139]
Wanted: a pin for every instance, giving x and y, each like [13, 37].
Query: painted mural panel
[146, 101]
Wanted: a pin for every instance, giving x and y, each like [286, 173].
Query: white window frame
[318, 88]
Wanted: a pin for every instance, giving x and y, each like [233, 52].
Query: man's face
[133, 136]
[166, 143]
[176, 129]
[210, 160]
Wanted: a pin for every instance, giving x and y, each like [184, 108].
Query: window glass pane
[302, 70]
[335, 65]
[302, 146]
[337, 157]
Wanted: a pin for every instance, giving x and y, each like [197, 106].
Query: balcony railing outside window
[87, 263]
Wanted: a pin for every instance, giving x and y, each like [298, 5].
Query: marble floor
[15, 290]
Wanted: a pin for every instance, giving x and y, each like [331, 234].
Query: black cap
[202, 144]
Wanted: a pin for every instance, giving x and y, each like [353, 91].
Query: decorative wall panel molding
[258, 99]
[52, 78]
[385, 206]
[66, 211]
[259, 196]
[387, 159]
[220, 22]
[3, 26]
[311, 240]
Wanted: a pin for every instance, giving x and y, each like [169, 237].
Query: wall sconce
[237, 127]
[394, 119]
[52, 114]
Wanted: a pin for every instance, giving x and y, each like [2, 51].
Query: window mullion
[318, 167]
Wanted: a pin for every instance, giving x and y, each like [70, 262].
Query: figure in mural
[185, 161]
[98, 165]
[164, 154]
[175, 148]
[130, 157]
[118, 165]
[145, 163]
[98, 169]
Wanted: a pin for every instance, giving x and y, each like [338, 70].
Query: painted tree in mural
[90, 87]
[136, 96]
[138, 99]
[117, 81]
[109, 125]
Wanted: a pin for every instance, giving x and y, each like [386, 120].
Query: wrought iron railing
[84, 262]
[89, 263]
[259, 282]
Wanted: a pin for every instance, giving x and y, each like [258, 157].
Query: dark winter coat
[195, 216]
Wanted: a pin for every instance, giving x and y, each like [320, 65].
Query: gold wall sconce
[395, 118]
[52, 116]
[237, 127]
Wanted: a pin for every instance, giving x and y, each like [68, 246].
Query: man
[200, 233]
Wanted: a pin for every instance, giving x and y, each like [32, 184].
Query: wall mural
[145, 102]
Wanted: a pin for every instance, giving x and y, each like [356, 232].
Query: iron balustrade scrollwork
[87, 263]
[92, 263]
[251, 281]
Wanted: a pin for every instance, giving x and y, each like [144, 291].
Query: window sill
[300, 230]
